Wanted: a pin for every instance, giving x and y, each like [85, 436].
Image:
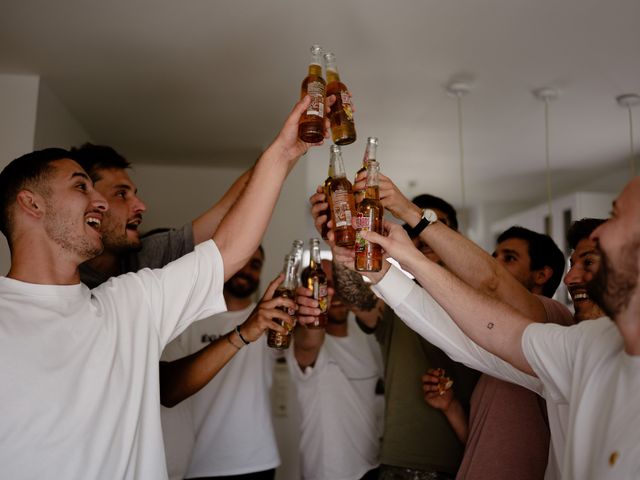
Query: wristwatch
[428, 217]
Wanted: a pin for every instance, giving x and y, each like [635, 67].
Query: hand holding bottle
[269, 314]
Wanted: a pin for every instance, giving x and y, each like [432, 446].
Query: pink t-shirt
[508, 427]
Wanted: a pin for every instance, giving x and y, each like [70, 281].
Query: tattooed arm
[358, 296]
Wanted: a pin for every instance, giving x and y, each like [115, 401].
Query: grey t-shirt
[157, 250]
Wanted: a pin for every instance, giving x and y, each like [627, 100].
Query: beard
[116, 240]
[239, 289]
[62, 230]
[612, 288]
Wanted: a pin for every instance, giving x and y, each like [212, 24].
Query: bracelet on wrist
[242, 339]
[238, 347]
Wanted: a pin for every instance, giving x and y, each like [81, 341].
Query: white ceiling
[212, 80]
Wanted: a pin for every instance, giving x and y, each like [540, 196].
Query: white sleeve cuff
[394, 287]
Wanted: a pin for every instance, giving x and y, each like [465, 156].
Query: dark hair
[543, 252]
[28, 170]
[94, 158]
[430, 201]
[581, 229]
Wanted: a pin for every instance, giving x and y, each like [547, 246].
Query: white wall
[18, 101]
[55, 125]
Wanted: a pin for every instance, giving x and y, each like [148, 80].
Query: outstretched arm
[492, 324]
[255, 204]
[183, 377]
[206, 224]
[463, 257]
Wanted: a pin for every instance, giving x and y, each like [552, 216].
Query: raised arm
[206, 224]
[183, 377]
[255, 204]
[490, 323]
[463, 257]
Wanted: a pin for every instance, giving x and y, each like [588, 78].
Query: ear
[30, 203]
[542, 275]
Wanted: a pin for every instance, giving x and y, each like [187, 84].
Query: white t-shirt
[232, 413]
[79, 368]
[341, 413]
[586, 366]
[177, 424]
[424, 315]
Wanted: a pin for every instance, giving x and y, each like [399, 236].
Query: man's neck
[42, 266]
[337, 329]
[107, 263]
[236, 303]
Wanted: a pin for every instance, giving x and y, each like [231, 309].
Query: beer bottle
[296, 254]
[341, 201]
[369, 218]
[327, 194]
[369, 154]
[287, 290]
[311, 126]
[314, 278]
[343, 129]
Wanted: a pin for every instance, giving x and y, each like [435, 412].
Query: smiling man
[124, 250]
[589, 371]
[79, 367]
[585, 262]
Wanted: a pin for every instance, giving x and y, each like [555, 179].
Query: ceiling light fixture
[547, 95]
[627, 101]
[459, 90]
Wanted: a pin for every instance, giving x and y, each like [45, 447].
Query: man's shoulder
[161, 248]
[556, 311]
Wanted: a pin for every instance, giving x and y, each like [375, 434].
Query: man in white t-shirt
[336, 371]
[593, 368]
[234, 435]
[80, 367]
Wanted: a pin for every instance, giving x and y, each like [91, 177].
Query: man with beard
[79, 367]
[336, 371]
[584, 263]
[591, 370]
[126, 251]
[234, 435]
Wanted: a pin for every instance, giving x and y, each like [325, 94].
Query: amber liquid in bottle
[369, 154]
[369, 218]
[343, 129]
[341, 202]
[286, 289]
[277, 339]
[311, 125]
[314, 278]
[327, 194]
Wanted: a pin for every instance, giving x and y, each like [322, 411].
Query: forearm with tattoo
[352, 288]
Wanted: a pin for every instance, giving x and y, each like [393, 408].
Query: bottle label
[363, 224]
[320, 294]
[347, 104]
[341, 210]
[316, 91]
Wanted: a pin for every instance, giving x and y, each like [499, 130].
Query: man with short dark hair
[80, 366]
[542, 271]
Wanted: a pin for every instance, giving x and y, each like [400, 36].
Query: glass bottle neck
[289, 282]
[315, 255]
[338, 166]
[332, 75]
[315, 69]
